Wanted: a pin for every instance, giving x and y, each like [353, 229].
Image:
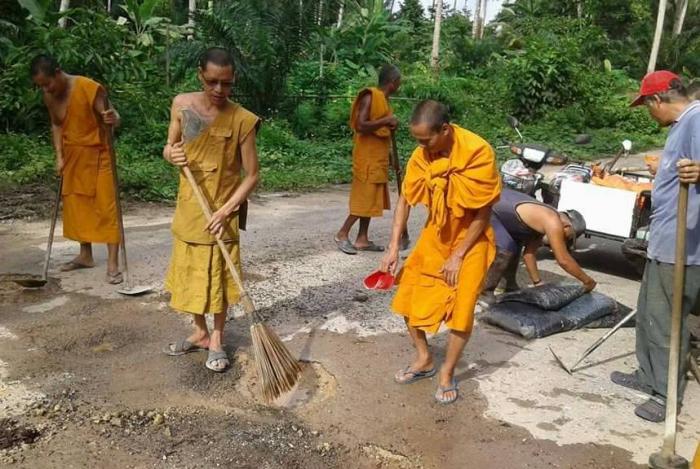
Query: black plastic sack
[532, 322]
[606, 322]
[551, 296]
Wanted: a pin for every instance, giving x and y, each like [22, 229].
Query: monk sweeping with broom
[211, 139]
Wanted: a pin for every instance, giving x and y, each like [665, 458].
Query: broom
[277, 369]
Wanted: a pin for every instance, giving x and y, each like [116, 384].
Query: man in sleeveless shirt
[78, 111]
[372, 121]
[520, 221]
[215, 138]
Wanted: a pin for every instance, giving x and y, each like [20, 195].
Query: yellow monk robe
[197, 278]
[369, 194]
[89, 204]
[452, 189]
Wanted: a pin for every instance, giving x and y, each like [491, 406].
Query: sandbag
[608, 321]
[550, 297]
[532, 322]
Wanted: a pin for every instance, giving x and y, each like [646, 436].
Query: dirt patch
[26, 202]
[13, 434]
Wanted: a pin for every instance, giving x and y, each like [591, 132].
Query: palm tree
[65, 5]
[657, 36]
[681, 9]
[434, 56]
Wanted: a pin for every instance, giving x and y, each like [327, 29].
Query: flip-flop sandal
[175, 349]
[115, 279]
[72, 265]
[215, 356]
[371, 247]
[414, 375]
[345, 246]
[440, 394]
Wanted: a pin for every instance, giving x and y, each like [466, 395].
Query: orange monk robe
[369, 194]
[89, 205]
[452, 189]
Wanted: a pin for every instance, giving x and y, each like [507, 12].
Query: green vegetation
[563, 68]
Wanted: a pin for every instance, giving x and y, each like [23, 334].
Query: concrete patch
[47, 305]
[15, 397]
[5, 333]
[586, 407]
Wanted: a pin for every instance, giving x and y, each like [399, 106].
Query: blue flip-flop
[440, 394]
[345, 246]
[415, 375]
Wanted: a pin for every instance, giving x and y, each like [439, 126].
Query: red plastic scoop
[379, 281]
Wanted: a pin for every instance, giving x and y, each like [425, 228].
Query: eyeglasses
[220, 83]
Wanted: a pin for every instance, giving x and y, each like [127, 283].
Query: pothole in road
[315, 385]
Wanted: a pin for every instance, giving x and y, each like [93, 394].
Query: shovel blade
[135, 291]
[30, 282]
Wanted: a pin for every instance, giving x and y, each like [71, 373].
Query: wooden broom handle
[248, 305]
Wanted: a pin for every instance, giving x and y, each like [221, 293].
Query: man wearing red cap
[668, 103]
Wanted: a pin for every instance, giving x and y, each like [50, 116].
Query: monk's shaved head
[388, 74]
[432, 113]
[45, 64]
[216, 56]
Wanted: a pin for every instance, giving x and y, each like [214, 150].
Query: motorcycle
[523, 173]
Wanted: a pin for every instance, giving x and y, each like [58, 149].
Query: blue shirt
[683, 142]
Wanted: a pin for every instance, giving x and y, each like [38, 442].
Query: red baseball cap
[654, 82]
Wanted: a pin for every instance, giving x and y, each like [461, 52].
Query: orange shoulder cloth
[466, 180]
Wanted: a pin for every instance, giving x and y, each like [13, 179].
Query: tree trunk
[210, 6]
[681, 9]
[454, 6]
[65, 5]
[482, 19]
[657, 36]
[192, 8]
[320, 54]
[435, 55]
[477, 18]
[340, 13]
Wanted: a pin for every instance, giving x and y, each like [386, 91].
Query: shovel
[405, 240]
[667, 457]
[33, 282]
[127, 289]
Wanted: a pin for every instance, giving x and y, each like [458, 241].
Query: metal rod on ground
[605, 337]
[396, 163]
[667, 457]
[277, 369]
[128, 289]
[33, 282]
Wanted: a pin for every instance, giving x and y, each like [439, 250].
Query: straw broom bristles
[277, 369]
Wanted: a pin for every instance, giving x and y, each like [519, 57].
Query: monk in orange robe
[453, 173]
[372, 122]
[78, 112]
